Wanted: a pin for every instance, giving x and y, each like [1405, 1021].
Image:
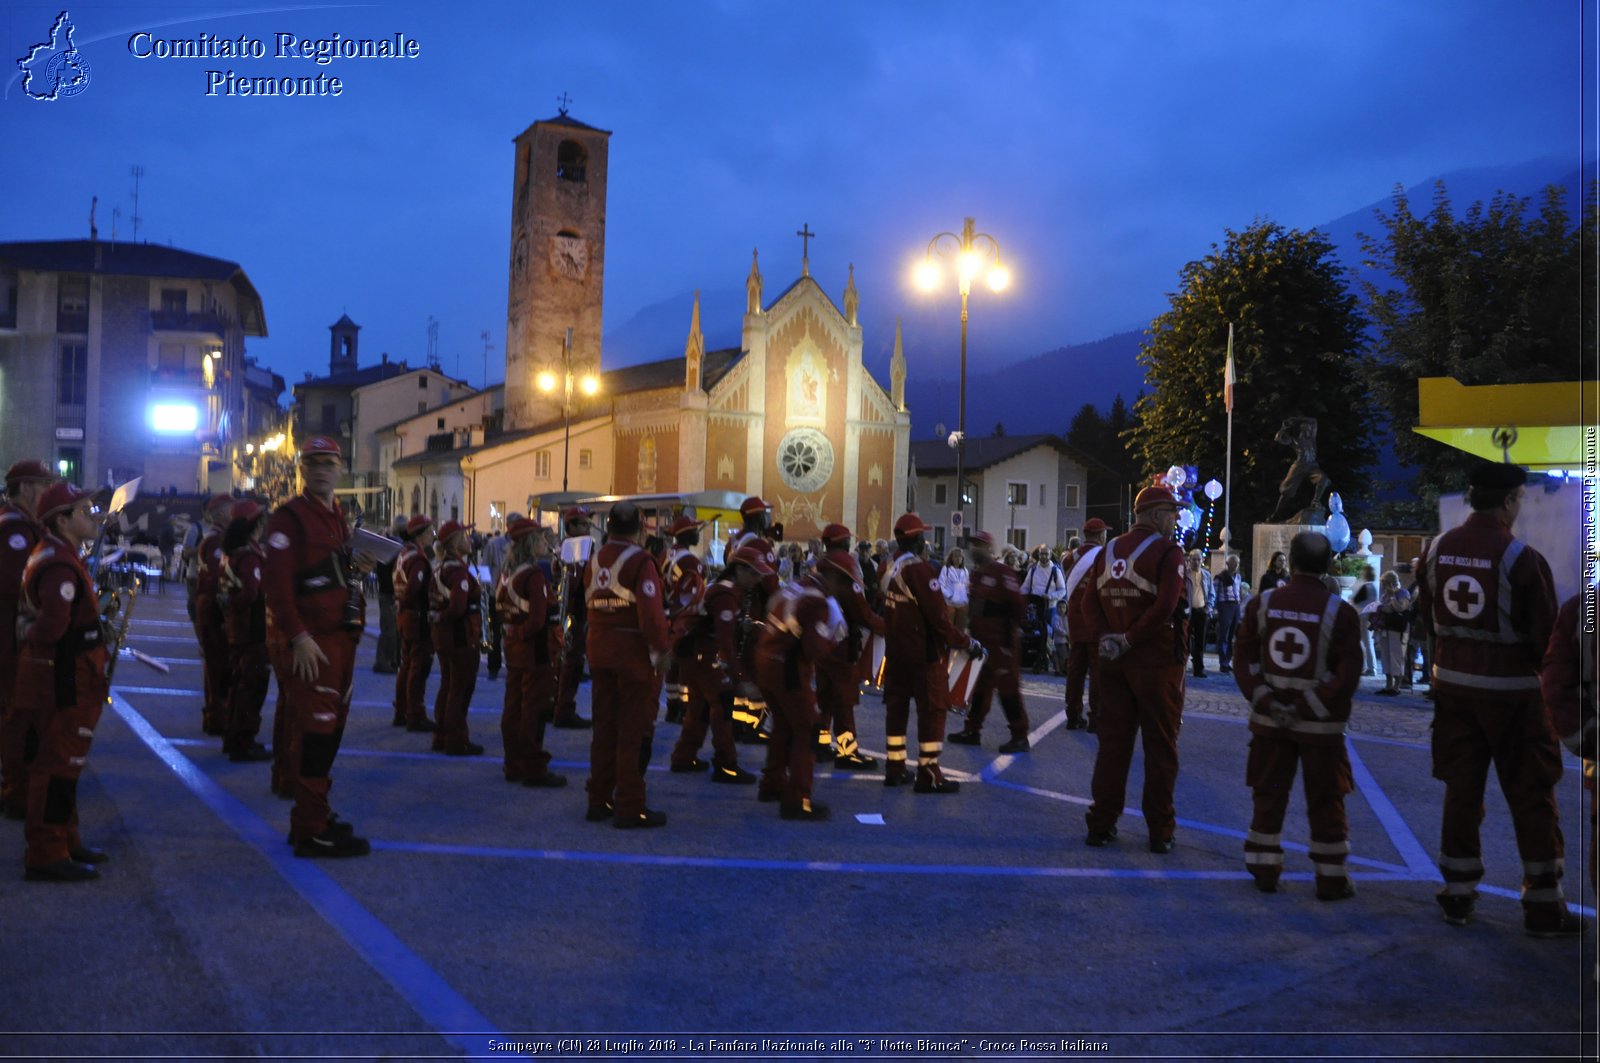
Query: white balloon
[1338, 532]
[1175, 477]
[1213, 489]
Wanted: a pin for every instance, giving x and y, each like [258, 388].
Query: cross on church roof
[805, 234]
[563, 102]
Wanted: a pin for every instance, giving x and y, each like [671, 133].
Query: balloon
[1186, 520]
[1175, 477]
[1213, 490]
[1338, 532]
[1335, 503]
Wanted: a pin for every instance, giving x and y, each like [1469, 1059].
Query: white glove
[1113, 646]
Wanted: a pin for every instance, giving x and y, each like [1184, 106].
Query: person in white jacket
[954, 580]
[1043, 584]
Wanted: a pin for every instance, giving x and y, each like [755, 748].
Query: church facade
[791, 415]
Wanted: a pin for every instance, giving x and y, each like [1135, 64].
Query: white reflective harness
[1081, 569]
[899, 589]
[1306, 686]
[608, 582]
[1504, 631]
[520, 605]
[1128, 573]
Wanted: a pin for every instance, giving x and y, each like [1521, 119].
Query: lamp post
[973, 252]
[588, 383]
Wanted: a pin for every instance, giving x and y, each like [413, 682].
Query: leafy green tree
[1103, 437]
[1298, 351]
[1495, 296]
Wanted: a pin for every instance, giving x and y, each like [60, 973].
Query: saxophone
[117, 630]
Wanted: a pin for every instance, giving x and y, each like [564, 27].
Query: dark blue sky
[1104, 144]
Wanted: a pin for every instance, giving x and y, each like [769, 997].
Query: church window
[541, 465]
[805, 459]
[647, 463]
[572, 161]
[416, 498]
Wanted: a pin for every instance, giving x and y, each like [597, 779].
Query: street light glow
[999, 278]
[590, 385]
[546, 381]
[928, 275]
[174, 417]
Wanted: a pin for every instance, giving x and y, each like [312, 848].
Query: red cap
[684, 524]
[573, 513]
[216, 502]
[521, 527]
[418, 522]
[450, 527]
[1151, 497]
[981, 538]
[319, 445]
[58, 497]
[1092, 525]
[835, 533]
[844, 561]
[244, 509]
[28, 470]
[753, 504]
[753, 557]
[909, 526]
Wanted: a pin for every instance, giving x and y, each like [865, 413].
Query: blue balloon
[1338, 533]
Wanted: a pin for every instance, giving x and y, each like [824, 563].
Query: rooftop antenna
[488, 346]
[116, 215]
[433, 343]
[138, 172]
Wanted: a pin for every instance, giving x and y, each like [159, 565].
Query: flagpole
[1227, 475]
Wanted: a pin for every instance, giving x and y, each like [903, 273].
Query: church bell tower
[557, 268]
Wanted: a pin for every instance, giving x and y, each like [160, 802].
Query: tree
[1493, 297]
[1298, 350]
[1102, 437]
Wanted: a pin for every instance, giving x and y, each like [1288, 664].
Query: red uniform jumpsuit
[1138, 586]
[526, 603]
[574, 641]
[996, 610]
[916, 666]
[61, 689]
[627, 626]
[245, 615]
[1082, 653]
[685, 578]
[803, 627]
[839, 677]
[709, 665]
[749, 713]
[209, 628]
[18, 535]
[456, 610]
[412, 574]
[305, 580]
[1492, 605]
[1568, 680]
[1299, 646]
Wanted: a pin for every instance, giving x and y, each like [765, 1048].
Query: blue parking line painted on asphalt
[440, 1006]
[725, 863]
[1394, 824]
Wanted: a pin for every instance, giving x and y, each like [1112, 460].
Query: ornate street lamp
[588, 383]
[974, 253]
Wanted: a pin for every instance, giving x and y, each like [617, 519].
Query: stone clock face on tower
[569, 256]
[805, 459]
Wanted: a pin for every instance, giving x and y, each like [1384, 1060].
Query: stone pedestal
[1268, 539]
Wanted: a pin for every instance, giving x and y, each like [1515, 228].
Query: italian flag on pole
[1228, 378]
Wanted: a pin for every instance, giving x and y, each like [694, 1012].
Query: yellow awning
[1550, 419]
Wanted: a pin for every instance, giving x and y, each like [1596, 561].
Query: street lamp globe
[589, 385]
[999, 278]
[927, 275]
[546, 381]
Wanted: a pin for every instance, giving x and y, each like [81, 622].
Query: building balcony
[179, 376]
[70, 416]
[184, 321]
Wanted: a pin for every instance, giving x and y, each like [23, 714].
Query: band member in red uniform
[749, 711]
[244, 611]
[456, 608]
[1299, 656]
[996, 611]
[527, 605]
[1133, 612]
[208, 619]
[1490, 603]
[1571, 665]
[804, 625]
[628, 644]
[571, 578]
[1082, 653]
[711, 667]
[19, 533]
[61, 683]
[316, 613]
[916, 662]
[413, 572]
[685, 576]
[840, 673]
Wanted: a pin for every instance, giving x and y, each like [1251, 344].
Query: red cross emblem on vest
[1119, 568]
[602, 578]
[1464, 597]
[1289, 648]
